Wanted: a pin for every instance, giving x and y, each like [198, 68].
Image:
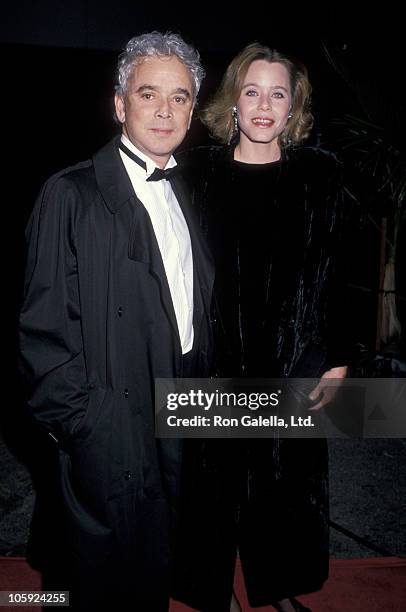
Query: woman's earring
[234, 115]
[235, 131]
[290, 116]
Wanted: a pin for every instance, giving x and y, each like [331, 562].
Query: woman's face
[264, 103]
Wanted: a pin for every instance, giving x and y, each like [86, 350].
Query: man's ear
[120, 108]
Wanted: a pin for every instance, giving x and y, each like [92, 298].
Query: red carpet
[355, 585]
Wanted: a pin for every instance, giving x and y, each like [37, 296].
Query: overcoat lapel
[116, 189]
[143, 248]
[203, 265]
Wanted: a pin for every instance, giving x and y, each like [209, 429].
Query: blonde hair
[218, 114]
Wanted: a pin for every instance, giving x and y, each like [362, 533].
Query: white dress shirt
[172, 235]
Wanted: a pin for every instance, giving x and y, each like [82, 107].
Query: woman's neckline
[247, 164]
[244, 164]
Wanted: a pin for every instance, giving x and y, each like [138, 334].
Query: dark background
[58, 63]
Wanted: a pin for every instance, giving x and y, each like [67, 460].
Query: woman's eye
[278, 94]
[251, 92]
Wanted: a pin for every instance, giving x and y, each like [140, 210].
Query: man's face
[157, 107]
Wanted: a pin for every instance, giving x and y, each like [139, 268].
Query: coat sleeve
[51, 346]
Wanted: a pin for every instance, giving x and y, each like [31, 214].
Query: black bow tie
[158, 174]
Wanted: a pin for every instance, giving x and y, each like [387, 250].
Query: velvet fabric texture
[278, 235]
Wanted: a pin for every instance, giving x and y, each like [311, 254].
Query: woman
[274, 215]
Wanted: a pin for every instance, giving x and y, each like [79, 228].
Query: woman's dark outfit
[276, 233]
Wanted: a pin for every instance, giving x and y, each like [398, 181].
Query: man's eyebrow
[185, 92]
[145, 87]
[178, 90]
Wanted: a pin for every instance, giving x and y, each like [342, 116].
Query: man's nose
[164, 109]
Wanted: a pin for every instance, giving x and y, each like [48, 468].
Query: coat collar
[111, 176]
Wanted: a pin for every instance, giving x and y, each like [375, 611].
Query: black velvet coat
[97, 326]
[278, 238]
[298, 234]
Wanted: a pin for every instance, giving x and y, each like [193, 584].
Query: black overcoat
[97, 326]
[267, 497]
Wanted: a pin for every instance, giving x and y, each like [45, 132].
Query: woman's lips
[263, 122]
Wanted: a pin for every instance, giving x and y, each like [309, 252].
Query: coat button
[126, 393]
[127, 475]
[120, 311]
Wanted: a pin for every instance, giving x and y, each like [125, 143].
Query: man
[117, 293]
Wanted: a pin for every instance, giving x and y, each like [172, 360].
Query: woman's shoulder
[203, 156]
[314, 157]
[315, 166]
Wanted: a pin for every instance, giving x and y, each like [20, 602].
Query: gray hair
[156, 43]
